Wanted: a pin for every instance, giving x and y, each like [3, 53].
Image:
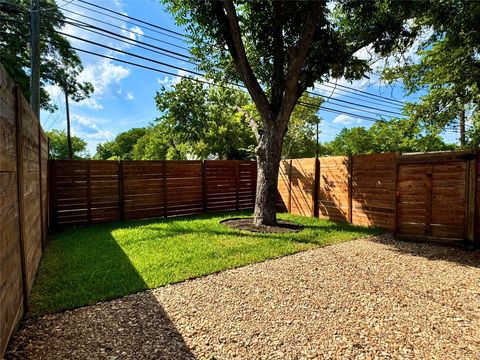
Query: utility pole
[462, 128]
[69, 138]
[35, 57]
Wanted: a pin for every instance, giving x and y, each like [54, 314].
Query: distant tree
[60, 65]
[121, 148]
[278, 49]
[300, 139]
[210, 120]
[106, 151]
[354, 141]
[158, 144]
[59, 146]
[390, 136]
[446, 70]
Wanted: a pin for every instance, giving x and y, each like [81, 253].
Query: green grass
[84, 265]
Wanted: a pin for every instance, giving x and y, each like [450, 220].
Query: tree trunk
[268, 152]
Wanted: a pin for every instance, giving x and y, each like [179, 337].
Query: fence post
[53, 193]
[237, 182]
[395, 192]
[350, 186]
[204, 188]
[89, 194]
[472, 182]
[21, 199]
[40, 185]
[48, 184]
[289, 202]
[121, 198]
[316, 185]
[165, 193]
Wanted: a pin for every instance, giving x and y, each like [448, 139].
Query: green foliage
[121, 148]
[84, 265]
[447, 73]
[300, 139]
[60, 65]
[391, 136]
[330, 54]
[206, 119]
[59, 146]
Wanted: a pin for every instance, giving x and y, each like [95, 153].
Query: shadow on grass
[71, 276]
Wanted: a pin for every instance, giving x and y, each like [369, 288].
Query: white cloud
[87, 128]
[103, 74]
[345, 120]
[130, 96]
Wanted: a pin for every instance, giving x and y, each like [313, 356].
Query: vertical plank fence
[23, 203]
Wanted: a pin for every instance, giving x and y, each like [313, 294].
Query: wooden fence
[95, 191]
[430, 196]
[23, 203]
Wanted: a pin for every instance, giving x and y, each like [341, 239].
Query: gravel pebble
[373, 298]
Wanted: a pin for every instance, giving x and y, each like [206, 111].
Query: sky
[124, 94]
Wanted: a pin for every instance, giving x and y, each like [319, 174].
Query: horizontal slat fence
[372, 189]
[434, 195]
[23, 204]
[95, 191]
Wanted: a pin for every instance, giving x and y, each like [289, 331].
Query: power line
[131, 17]
[350, 95]
[143, 45]
[347, 89]
[369, 94]
[355, 107]
[123, 29]
[352, 103]
[183, 35]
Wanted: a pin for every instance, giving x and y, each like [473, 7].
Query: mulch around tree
[247, 224]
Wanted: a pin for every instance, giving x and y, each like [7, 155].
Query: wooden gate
[435, 196]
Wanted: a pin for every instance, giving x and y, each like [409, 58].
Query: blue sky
[124, 94]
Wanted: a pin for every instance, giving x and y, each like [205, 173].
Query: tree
[447, 71]
[397, 135]
[60, 65]
[211, 120]
[121, 148]
[158, 144]
[279, 49]
[58, 147]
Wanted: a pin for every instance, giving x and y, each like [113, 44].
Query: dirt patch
[247, 224]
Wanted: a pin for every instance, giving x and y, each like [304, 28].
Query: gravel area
[367, 299]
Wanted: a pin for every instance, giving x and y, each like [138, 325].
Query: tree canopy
[278, 49]
[60, 65]
[58, 146]
[445, 70]
[121, 148]
[389, 136]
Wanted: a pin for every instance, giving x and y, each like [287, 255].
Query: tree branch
[278, 81]
[296, 60]
[230, 28]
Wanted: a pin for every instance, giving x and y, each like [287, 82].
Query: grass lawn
[84, 265]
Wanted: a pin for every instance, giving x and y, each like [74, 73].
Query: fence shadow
[433, 251]
[135, 326]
